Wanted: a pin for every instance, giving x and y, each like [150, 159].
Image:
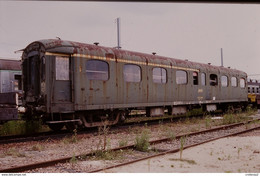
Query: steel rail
[67, 159]
[173, 151]
[56, 135]
[31, 137]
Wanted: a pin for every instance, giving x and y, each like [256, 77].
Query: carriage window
[257, 90]
[195, 78]
[62, 68]
[224, 81]
[213, 80]
[132, 73]
[97, 70]
[181, 77]
[242, 83]
[234, 82]
[18, 82]
[159, 75]
[248, 90]
[42, 72]
[203, 79]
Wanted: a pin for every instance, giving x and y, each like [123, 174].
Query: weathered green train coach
[73, 83]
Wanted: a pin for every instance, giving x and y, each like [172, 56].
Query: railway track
[32, 137]
[63, 133]
[162, 147]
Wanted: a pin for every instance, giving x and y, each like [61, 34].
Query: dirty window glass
[213, 80]
[42, 72]
[234, 82]
[97, 70]
[203, 79]
[62, 68]
[132, 73]
[242, 83]
[159, 75]
[224, 81]
[181, 77]
[195, 78]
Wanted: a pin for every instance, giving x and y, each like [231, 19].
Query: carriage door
[62, 85]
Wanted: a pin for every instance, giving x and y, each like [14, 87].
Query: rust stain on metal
[10, 64]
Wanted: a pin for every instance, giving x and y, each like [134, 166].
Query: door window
[62, 68]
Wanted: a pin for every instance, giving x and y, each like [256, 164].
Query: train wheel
[56, 126]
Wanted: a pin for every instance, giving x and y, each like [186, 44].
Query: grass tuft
[142, 141]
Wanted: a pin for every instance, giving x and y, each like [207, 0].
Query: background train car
[10, 89]
[74, 84]
[10, 75]
[254, 92]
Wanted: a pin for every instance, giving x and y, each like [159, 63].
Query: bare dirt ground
[239, 154]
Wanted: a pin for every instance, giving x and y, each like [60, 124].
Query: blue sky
[193, 31]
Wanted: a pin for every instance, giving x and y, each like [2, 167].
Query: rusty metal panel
[8, 114]
[153, 112]
[8, 104]
[211, 107]
[8, 82]
[10, 98]
[178, 110]
[6, 64]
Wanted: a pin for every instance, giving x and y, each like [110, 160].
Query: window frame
[62, 63]
[232, 81]
[244, 84]
[98, 76]
[134, 79]
[195, 78]
[180, 77]
[213, 82]
[163, 73]
[203, 81]
[224, 81]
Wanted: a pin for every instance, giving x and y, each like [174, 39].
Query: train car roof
[8, 64]
[70, 47]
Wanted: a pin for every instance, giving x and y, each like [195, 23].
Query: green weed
[107, 155]
[208, 123]
[229, 119]
[14, 152]
[182, 143]
[123, 142]
[20, 127]
[184, 160]
[37, 147]
[103, 130]
[142, 141]
[71, 140]
[73, 160]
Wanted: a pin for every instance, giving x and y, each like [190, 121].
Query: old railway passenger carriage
[80, 84]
